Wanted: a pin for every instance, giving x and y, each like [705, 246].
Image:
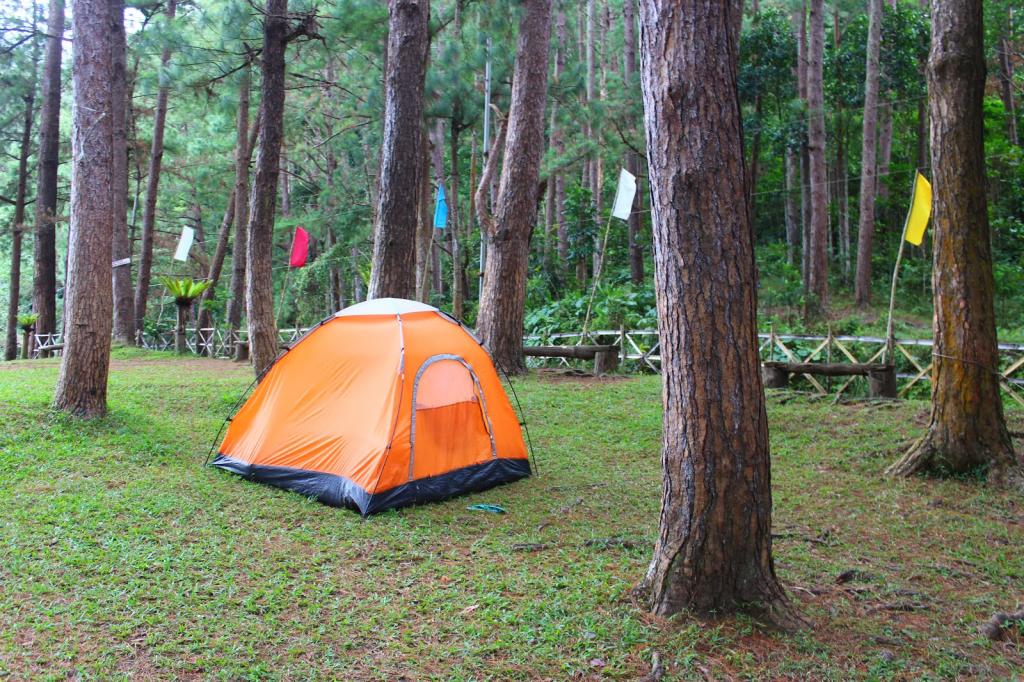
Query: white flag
[185, 243]
[624, 195]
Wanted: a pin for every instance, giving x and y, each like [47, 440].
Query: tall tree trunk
[88, 298]
[44, 281]
[425, 232]
[124, 320]
[922, 135]
[18, 226]
[205, 320]
[243, 155]
[393, 272]
[818, 299]
[1006, 87]
[792, 208]
[458, 261]
[503, 298]
[805, 158]
[259, 282]
[713, 552]
[559, 143]
[636, 249]
[967, 432]
[156, 156]
[866, 224]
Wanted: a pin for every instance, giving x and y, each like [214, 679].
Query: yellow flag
[920, 211]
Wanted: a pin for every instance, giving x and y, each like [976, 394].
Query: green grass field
[121, 557]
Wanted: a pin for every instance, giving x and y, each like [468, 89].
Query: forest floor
[124, 558]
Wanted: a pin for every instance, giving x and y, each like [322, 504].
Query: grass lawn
[121, 557]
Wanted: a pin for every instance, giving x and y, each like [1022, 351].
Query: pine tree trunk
[629, 67]
[18, 226]
[205, 320]
[44, 281]
[713, 552]
[88, 298]
[124, 320]
[802, 69]
[393, 272]
[817, 304]
[259, 282]
[792, 208]
[866, 223]
[458, 264]
[1006, 87]
[244, 144]
[561, 36]
[156, 155]
[503, 298]
[967, 433]
[425, 233]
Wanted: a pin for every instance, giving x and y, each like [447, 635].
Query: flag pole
[890, 341]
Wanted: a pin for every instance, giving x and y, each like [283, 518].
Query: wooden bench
[881, 378]
[606, 358]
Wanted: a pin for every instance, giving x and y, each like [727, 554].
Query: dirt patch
[576, 376]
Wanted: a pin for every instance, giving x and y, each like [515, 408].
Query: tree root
[995, 629]
[924, 456]
[780, 614]
[913, 461]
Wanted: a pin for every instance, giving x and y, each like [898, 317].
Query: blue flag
[440, 210]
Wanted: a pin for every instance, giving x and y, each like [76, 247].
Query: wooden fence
[640, 352]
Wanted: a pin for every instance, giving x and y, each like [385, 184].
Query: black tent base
[338, 491]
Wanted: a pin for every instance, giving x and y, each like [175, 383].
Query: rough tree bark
[458, 259]
[1006, 87]
[800, 19]
[792, 207]
[18, 227]
[866, 223]
[243, 155]
[205, 319]
[713, 552]
[967, 432]
[393, 271]
[559, 142]
[121, 248]
[156, 156]
[88, 298]
[503, 297]
[425, 231]
[636, 249]
[44, 281]
[817, 301]
[259, 283]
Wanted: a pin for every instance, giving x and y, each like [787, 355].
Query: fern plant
[26, 322]
[185, 291]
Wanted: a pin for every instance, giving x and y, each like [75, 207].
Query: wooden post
[605, 361]
[775, 377]
[882, 383]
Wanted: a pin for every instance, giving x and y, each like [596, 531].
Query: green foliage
[615, 305]
[581, 223]
[27, 320]
[184, 290]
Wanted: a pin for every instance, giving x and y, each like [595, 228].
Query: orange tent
[385, 404]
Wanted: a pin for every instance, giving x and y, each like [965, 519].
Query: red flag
[300, 248]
